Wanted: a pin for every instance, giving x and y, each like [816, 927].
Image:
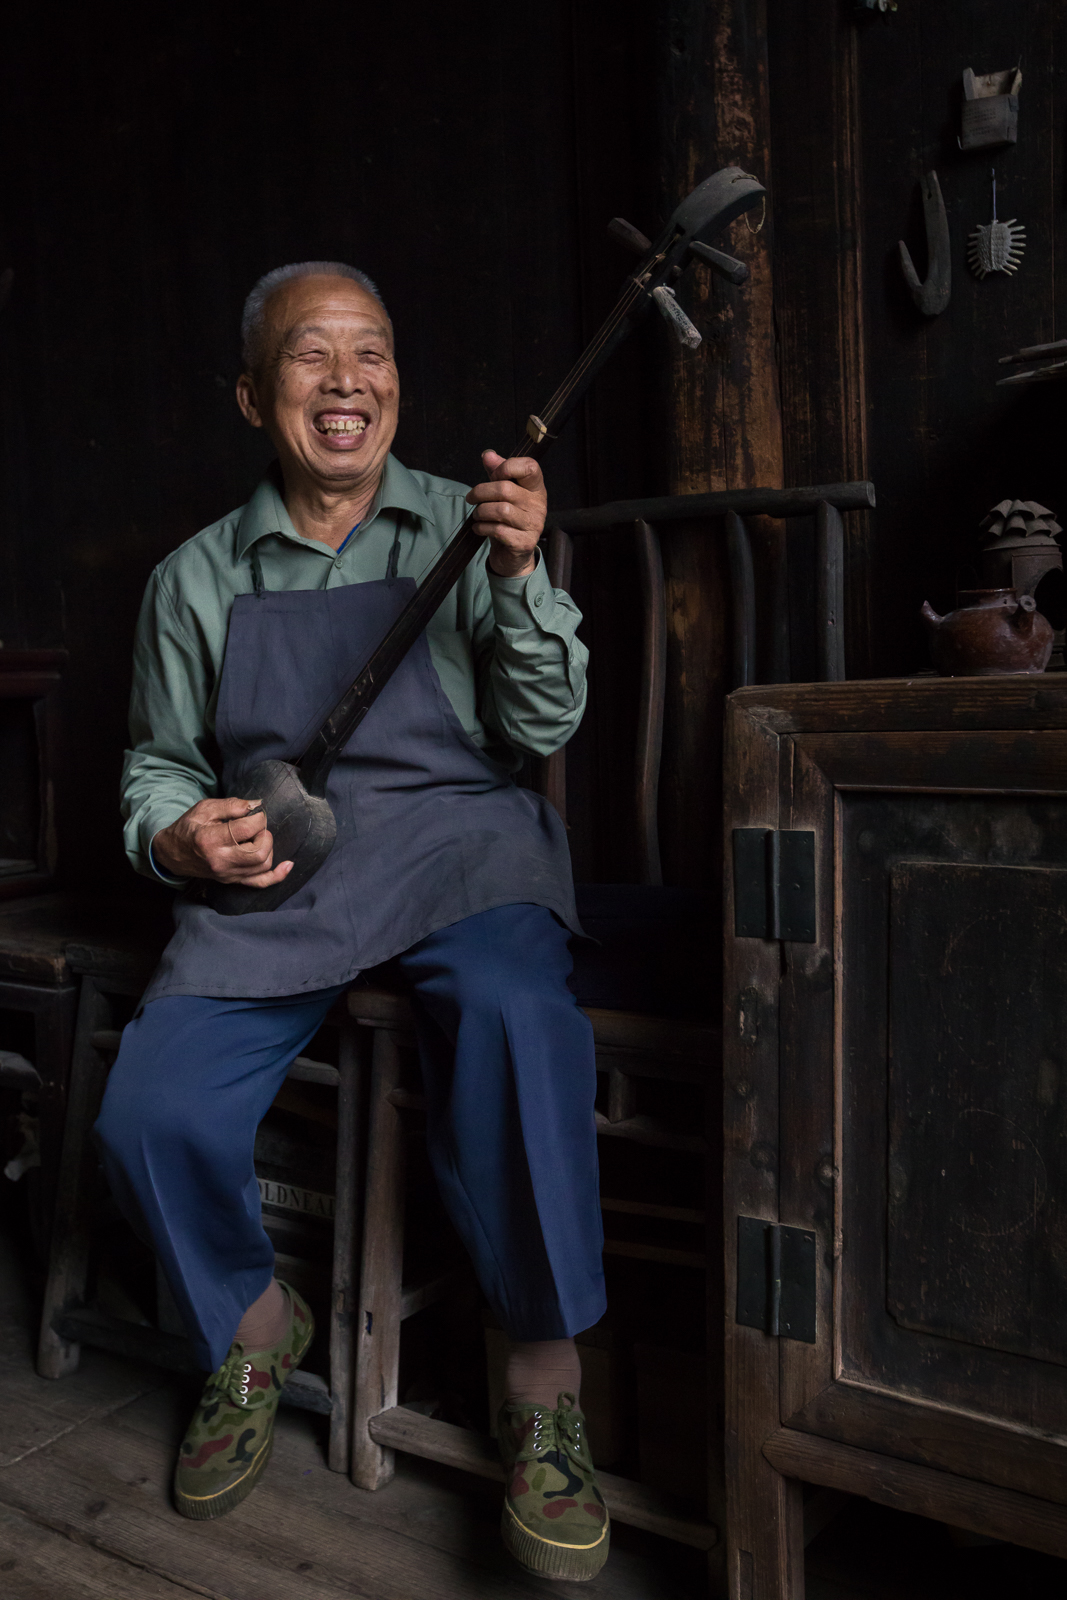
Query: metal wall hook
[932, 296]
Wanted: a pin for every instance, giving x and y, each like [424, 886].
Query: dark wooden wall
[859, 111]
[469, 158]
[153, 165]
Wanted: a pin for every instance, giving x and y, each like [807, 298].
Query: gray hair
[253, 318]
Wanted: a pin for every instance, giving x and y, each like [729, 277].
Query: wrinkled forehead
[335, 308]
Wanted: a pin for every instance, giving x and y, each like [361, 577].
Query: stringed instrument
[293, 793]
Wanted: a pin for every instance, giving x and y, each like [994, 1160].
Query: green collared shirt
[504, 648]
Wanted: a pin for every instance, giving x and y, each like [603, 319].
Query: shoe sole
[205, 1508]
[547, 1558]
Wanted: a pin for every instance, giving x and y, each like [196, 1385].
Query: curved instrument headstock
[712, 206]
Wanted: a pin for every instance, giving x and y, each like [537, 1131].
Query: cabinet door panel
[932, 963]
[950, 1078]
[977, 1159]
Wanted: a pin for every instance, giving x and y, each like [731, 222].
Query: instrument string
[622, 308]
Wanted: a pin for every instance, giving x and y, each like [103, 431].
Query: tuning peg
[631, 238]
[732, 270]
[685, 332]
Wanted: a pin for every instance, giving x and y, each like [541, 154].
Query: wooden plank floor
[85, 1514]
[85, 1511]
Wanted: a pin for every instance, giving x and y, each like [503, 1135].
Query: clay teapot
[994, 630]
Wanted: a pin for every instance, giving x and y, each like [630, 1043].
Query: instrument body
[293, 793]
[304, 830]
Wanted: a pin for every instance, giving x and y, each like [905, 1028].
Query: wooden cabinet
[895, 1109]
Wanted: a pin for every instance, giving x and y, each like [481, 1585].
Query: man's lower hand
[511, 510]
[227, 840]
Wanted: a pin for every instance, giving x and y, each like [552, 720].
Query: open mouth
[340, 427]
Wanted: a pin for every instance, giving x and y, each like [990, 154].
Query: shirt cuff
[522, 602]
[172, 883]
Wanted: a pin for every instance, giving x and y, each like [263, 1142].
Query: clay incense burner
[994, 631]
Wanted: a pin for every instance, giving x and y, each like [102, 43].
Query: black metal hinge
[776, 1279]
[774, 884]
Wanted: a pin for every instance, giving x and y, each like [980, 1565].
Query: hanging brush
[998, 246]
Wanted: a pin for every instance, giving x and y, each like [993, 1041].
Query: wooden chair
[630, 1047]
[36, 978]
[117, 970]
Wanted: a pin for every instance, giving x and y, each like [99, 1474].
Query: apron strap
[394, 554]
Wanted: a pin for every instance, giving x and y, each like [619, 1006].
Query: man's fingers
[234, 861]
[520, 469]
[251, 853]
[505, 516]
[240, 830]
[263, 880]
[238, 808]
[222, 809]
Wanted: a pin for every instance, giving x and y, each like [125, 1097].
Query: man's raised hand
[227, 840]
[510, 510]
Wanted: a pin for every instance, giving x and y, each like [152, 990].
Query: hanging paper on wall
[990, 108]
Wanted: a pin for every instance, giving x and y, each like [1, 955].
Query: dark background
[468, 157]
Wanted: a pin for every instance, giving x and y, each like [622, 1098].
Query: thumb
[491, 460]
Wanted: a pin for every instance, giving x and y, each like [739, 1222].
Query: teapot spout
[1025, 613]
[930, 616]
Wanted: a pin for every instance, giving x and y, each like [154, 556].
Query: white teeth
[343, 425]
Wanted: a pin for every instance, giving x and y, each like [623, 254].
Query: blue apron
[429, 828]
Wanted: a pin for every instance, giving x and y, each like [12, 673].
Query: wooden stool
[629, 1047]
[107, 972]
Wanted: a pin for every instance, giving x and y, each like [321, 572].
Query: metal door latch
[776, 1279]
[774, 884]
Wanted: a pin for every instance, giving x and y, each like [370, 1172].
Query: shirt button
[539, 599]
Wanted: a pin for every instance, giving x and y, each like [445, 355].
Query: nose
[344, 376]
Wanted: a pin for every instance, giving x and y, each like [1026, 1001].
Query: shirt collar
[265, 513]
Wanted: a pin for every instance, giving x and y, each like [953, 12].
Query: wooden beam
[830, 592]
[612, 1030]
[962, 1503]
[650, 712]
[753, 502]
[650, 1131]
[725, 427]
[818, 268]
[400, 1429]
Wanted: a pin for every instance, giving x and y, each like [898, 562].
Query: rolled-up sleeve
[168, 767]
[531, 664]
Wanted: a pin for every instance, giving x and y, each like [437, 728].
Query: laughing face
[327, 389]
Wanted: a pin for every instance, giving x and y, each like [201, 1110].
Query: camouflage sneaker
[555, 1522]
[229, 1441]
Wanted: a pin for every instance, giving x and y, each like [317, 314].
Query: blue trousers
[509, 1076]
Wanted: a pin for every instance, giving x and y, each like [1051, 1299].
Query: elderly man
[247, 634]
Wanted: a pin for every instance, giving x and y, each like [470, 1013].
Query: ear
[246, 399]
